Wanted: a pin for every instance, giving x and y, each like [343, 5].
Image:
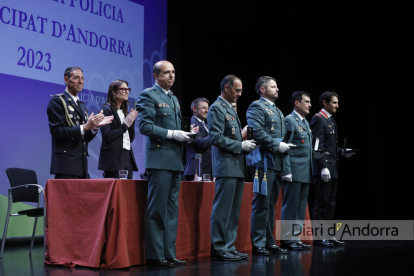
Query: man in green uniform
[228, 168]
[269, 128]
[160, 120]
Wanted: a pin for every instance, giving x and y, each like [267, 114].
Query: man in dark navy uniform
[325, 169]
[72, 128]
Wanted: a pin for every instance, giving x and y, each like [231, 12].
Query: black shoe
[325, 243]
[337, 243]
[239, 254]
[158, 263]
[292, 246]
[176, 261]
[226, 256]
[260, 251]
[304, 246]
[276, 249]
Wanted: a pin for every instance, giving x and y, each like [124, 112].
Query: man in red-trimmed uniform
[325, 169]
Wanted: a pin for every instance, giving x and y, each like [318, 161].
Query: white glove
[248, 145]
[181, 136]
[283, 147]
[347, 154]
[291, 148]
[325, 175]
[287, 178]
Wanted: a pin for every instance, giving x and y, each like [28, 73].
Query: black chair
[24, 188]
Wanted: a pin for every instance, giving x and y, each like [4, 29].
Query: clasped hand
[249, 145]
[130, 118]
[98, 120]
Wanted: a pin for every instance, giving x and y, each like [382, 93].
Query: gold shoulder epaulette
[57, 95]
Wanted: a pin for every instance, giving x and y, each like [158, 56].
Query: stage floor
[356, 258]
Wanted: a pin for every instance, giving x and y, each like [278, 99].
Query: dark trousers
[126, 164]
[115, 174]
[295, 199]
[263, 209]
[69, 176]
[189, 177]
[225, 213]
[161, 217]
[324, 199]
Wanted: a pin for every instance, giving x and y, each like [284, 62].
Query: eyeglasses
[124, 90]
[237, 90]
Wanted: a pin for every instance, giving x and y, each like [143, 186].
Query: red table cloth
[100, 222]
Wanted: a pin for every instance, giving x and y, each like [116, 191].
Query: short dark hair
[228, 80]
[327, 96]
[110, 101]
[262, 82]
[197, 101]
[297, 96]
[69, 71]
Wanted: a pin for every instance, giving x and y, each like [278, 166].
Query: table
[100, 222]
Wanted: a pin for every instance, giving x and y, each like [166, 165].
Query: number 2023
[29, 58]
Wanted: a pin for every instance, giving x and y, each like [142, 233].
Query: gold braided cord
[68, 119]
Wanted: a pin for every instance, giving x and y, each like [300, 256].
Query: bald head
[164, 74]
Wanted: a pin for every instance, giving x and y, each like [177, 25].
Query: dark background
[362, 52]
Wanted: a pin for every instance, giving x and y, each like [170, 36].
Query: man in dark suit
[297, 173]
[72, 128]
[325, 169]
[228, 168]
[269, 128]
[202, 142]
[160, 120]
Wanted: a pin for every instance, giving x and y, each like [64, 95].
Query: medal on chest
[233, 132]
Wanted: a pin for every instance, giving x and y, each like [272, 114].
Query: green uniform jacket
[299, 161]
[157, 114]
[268, 124]
[227, 156]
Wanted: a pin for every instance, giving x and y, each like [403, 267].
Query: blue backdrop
[109, 39]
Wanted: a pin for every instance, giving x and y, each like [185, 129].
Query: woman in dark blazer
[116, 151]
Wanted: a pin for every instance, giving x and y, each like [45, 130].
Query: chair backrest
[17, 177]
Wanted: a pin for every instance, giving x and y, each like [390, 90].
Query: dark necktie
[332, 119]
[304, 122]
[170, 96]
[205, 126]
